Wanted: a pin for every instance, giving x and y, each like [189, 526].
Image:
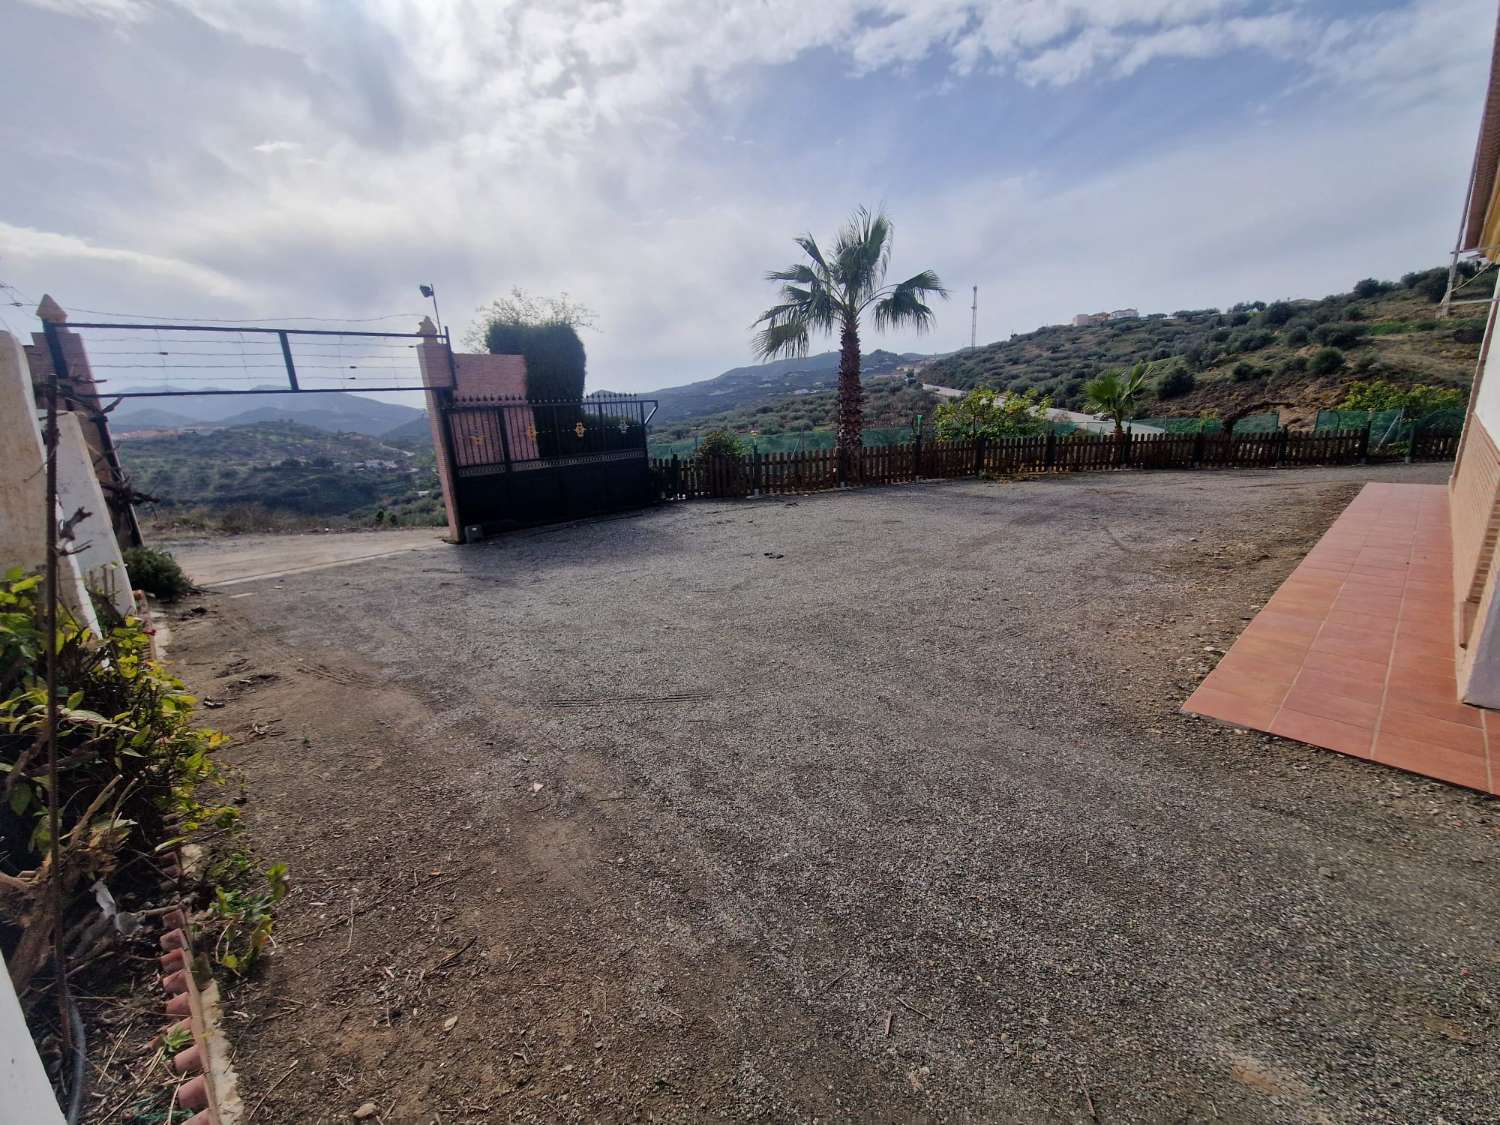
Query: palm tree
[1116, 395]
[830, 292]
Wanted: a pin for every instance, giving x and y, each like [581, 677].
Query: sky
[654, 158]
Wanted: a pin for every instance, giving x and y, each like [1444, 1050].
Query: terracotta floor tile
[1278, 648]
[1436, 684]
[1460, 713]
[1346, 738]
[1432, 761]
[1370, 622]
[1269, 669]
[1366, 690]
[1230, 708]
[1348, 667]
[1355, 652]
[1364, 647]
[1436, 732]
[1291, 622]
[1253, 688]
[1432, 650]
[1306, 698]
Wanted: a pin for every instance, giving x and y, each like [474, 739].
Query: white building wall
[23, 484]
[94, 547]
[26, 1097]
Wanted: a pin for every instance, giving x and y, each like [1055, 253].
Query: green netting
[1257, 424]
[1250, 424]
[1440, 422]
[1181, 425]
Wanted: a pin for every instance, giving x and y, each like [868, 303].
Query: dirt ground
[874, 806]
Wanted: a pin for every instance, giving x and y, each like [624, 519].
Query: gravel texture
[864, 806]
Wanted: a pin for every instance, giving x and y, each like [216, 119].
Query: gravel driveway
[865, 806]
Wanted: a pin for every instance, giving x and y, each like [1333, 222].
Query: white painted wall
[94, 546]
[1487, 398]
[26, 1097]
[23, 484]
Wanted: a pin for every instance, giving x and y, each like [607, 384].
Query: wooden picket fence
[772, 474]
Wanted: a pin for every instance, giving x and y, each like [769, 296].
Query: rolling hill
[335, 412]
[280, 467]
[1305, 353]
[766, 382]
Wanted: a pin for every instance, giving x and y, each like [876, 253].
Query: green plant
[831, 293]
[989, 414]
[1245, 372]
[1176, 382]
[719, 443]
[1117, 395]
[1415, 398]
[129, 762]
[1325, 361]
[245, 919]
[157, 573]
[555, 359]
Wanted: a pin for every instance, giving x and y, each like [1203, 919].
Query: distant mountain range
[336, 412]
[345, 412]
[764, 382]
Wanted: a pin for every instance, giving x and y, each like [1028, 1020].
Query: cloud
[20, 246]
[581, 146]
[115, 11]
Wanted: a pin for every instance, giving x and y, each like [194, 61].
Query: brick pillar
[437, 376]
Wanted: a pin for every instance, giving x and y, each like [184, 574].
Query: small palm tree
[831, 292]
[1116, 395]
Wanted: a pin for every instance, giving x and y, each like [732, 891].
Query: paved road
[244, 558]
[866, 806]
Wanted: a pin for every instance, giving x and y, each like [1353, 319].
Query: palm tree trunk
[851, 408]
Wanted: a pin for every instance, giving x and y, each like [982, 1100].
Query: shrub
[1297, 337]
[1326, 361]
[129, 760]
[1469, 331]
[1339, 334]
[157, 573]
[1278, 312]
[1416, 399]
[1176, 382]
[719, 443]
[1250, 340]
[1245, 372]
[1370, 287]
[984, 413]
[1431, 284]
[555, 359]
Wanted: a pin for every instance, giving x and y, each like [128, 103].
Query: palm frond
[798, 272]
[862, 252]
[787, 338]
[809, 246]
[905, 306]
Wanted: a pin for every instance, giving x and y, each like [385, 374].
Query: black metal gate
[517, 463]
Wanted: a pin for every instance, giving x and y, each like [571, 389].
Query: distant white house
[1083, 320]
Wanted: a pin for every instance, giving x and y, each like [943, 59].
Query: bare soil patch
[873, 806]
